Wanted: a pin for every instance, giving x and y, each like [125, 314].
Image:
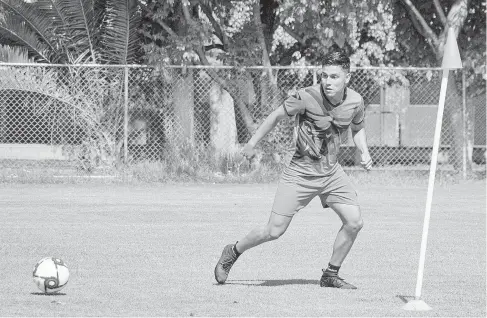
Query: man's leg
[275, 227]
[293, 193]
[352, 223]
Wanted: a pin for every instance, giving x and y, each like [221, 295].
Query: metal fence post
[464, 127]
[382, 91]
[126, 114]
[3, 114]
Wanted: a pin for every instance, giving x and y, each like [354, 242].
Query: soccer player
[323, 113]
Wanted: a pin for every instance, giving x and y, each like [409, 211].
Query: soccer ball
[51, 275]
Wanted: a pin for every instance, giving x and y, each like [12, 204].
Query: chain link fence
[95, 115]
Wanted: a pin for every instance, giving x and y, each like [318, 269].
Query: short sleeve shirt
[320, 127]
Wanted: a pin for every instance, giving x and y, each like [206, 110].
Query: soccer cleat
[333, 280]
[224, 264]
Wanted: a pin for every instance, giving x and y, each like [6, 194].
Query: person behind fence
[323, 113]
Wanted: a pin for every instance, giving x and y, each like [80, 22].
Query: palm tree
[85, 100]
[73, 31]
[14, 55]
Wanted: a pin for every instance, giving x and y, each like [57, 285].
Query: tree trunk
[455, 19]
[470, 134]
[454, 116]
[184, 108]
[223, 128]
[232, 89]
[270, 98]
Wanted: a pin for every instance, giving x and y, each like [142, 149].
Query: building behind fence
[131, 113]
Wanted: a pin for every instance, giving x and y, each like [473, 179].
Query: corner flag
[451, 60]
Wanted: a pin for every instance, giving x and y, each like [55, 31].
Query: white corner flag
[451, 60]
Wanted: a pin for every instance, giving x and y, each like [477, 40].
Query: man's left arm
[359, 137]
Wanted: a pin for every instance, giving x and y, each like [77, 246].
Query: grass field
[150, 250]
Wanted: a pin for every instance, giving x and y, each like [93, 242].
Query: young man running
[323, 114]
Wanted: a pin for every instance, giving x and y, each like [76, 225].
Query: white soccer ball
[51, 275]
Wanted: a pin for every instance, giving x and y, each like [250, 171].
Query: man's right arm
[292, 106]
[267, 125]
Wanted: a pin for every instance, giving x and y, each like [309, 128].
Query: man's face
[334, 80]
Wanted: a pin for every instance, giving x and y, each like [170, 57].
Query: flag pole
[451, 60]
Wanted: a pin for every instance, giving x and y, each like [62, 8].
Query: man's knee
[354, 225]
[273, 232]
[276, 226]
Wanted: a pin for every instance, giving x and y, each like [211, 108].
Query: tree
[251, 32]
[74, 32]
[362, 28]
[205, 33]
[401, 33]
[68, 31]
[10, 54]
[430, 22]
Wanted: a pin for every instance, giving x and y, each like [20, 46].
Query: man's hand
[366, 161]
[248, 151]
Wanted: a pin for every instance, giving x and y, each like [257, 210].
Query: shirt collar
[323, 95]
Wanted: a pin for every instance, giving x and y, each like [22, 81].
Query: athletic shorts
[295, 191]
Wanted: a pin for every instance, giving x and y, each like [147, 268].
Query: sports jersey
[320, 128]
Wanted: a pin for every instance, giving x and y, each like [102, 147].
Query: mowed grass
[150, 250]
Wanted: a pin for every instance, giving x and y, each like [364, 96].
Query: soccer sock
[234, 249]
[332, 269]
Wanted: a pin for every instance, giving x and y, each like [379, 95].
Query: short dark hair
[337, 58]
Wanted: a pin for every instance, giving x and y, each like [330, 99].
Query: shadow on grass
[273, 282]
[405, 299]
[46, 294]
